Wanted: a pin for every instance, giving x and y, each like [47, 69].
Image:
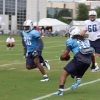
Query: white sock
[61, 89]
[78, 78]
[96, 64]
[45, 76]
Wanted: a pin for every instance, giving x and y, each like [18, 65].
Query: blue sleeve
[40, 44]
[69, 42]
[36, 34]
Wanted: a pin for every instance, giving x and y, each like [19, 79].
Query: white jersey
[10, 40]
[93, 28]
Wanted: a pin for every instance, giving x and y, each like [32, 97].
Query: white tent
[56, 24]
[79, 24]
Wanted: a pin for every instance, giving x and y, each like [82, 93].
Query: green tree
[82, 12]
[56, 13]
[64, 20]
[48, 15]
[64, 13]
[98, 11]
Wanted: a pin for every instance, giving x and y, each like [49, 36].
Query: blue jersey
[30, 39]
[76, 44]
[76, 47]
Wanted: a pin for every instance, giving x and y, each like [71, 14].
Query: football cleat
[59, 92]
[95, 69]
[76, 84]
[47, 64]
[45, 79]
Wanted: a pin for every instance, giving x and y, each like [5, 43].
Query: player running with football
[34, 46]
[80, 46]
[93, 27]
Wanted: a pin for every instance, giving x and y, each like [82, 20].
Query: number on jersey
[92, 28]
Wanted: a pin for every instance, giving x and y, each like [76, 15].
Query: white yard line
[49, 95]
[11, 64]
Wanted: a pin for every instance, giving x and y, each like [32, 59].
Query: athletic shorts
[76, 68]
[96, 45]
[30, 60]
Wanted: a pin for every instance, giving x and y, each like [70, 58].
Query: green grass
[18, 83]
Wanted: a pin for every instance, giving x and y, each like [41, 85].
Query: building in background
[54, 6]
[91, 4]
[15, 12]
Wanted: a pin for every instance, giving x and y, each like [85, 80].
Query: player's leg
[40, 67]
[30, 64]
[94, 67]
[80, 72]
[44, 63]
[96, 46]
[62, 82]
[97, 51]
[68, 69]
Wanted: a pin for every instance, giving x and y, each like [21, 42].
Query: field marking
[49, 95]
[11, 64]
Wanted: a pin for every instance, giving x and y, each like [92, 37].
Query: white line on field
[49, 95]
[11, 64]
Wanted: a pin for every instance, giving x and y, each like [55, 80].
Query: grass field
[18, 83]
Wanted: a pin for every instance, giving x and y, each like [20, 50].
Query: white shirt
[93, 28]
[10, 40]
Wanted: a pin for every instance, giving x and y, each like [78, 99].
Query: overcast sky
[64, 0]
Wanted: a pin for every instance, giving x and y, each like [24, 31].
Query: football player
[92, 26]
[82, 51]
[34, 46]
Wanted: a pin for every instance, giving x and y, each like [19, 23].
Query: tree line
[81, 11]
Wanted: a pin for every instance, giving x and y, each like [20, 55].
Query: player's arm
[65, 53]
[37, 51]
[83, 32]
[40, 44]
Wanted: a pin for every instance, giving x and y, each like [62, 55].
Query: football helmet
[28, 25]
[74, 30]
[92, 15]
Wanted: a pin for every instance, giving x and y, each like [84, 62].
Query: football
[66, 58]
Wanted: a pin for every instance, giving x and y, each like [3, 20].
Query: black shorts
[76, 68]
[96, 45]
[30, 60]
